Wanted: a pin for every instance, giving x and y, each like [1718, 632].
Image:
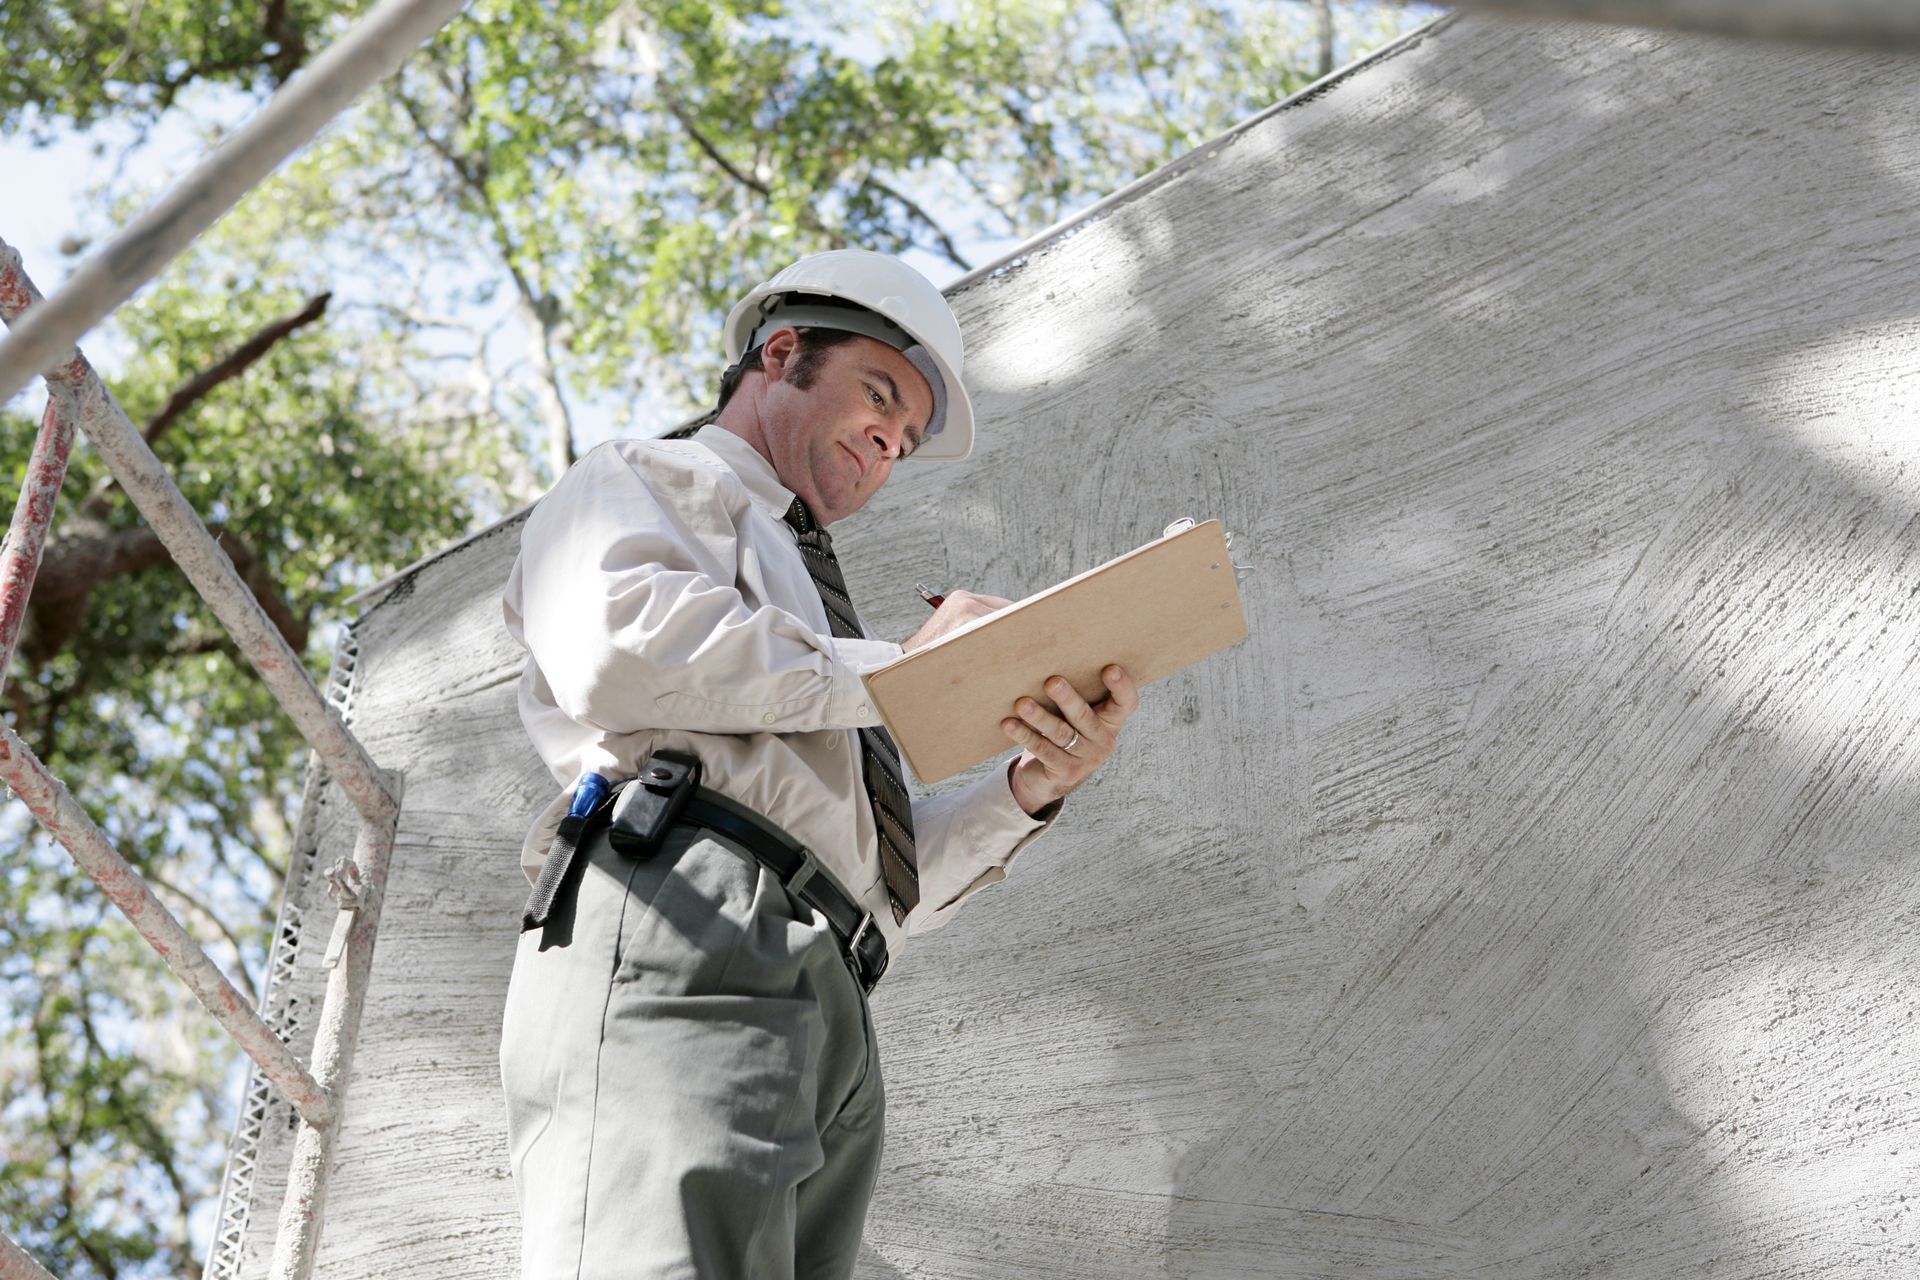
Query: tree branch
[291, 53]
[231, 366]
[200, 646]
[1324, 9]
[228, 367]
[925, 219]
[135, 1117]
[253, 571]
[979, 187]
[751, 183]
[77, 563]
[535, 306]
[65, 1142]
[126, 46]
[1115, 12]
[713, 153]
[243, 979]
[1036, 140]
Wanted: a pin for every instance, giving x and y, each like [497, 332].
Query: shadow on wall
[1521, 898]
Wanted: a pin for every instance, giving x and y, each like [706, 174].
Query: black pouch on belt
[647, 807]
[550, 906]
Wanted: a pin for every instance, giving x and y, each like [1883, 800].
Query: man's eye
[875, 397]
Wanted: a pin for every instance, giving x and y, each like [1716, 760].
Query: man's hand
[957, 610]
[1062, 751]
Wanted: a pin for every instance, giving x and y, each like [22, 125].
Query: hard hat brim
[952, 443]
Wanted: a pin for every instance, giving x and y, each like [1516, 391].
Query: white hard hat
[902, 309]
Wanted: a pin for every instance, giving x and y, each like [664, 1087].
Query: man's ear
[778, 352]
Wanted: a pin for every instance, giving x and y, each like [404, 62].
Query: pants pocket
[688, 909]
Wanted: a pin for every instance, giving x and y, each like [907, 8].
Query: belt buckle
[864, 970]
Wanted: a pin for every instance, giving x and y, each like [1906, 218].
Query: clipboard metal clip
[1184, 523]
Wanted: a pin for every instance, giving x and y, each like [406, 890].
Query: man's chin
[833, 504]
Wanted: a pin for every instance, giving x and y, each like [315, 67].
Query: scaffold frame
[42, 341]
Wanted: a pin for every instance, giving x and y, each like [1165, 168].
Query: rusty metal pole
[298, 1236]
[44, 334]
[17, 1264]
[171, 516]
[167, 511]
[62, 815]
[33, 513]
[375, 47]
[46, 469]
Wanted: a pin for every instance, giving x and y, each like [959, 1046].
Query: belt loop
[809, 867]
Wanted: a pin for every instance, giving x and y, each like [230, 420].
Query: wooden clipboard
[1155, 610]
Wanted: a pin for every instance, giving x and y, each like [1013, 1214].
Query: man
[692, 1083]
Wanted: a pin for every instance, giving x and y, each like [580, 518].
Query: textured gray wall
[1533, 894]
[1879, 24]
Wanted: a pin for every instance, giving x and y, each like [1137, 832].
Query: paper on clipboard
[1155, 610]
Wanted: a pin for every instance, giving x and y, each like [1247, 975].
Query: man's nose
[887, 435]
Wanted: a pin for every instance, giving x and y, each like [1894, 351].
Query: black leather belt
[800, 872]
[667, 794]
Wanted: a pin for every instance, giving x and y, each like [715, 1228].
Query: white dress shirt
[664, 605]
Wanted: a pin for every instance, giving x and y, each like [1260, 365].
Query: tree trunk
[553, 405]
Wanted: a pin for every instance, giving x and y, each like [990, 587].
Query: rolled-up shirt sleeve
[965, 840]
[623, 595]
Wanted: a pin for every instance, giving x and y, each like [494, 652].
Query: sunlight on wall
[1854, 401]
[1786, 1065]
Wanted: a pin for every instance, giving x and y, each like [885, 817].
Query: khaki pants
[692, 1084]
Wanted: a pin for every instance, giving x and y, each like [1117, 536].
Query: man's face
[835, 441]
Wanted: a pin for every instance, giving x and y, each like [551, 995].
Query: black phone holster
[645, 808]
[638, 815]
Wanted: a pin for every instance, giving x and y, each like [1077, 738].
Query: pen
[928, 594]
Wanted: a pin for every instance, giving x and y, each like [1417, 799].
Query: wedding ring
[1073, 741]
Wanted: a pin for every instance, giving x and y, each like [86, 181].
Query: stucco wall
[1534, 893]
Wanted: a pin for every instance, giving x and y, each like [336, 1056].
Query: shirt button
[769, 717]
[860, 710]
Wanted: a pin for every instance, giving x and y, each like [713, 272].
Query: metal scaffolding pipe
[1876, 24]
[62, 815]
[46, 468]
[17, 293]
[297, 1238]
[33, 513]
[20, 1265]
[17, 1264]
[375, 47]
[171, 516]
[212, 574]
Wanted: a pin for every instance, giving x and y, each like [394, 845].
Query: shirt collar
[762, 481]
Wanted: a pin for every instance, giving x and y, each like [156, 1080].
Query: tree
[322, 470]
[79, 61]
[399, 335]
[621, 168]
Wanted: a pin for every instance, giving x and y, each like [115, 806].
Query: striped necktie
[879, 758]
